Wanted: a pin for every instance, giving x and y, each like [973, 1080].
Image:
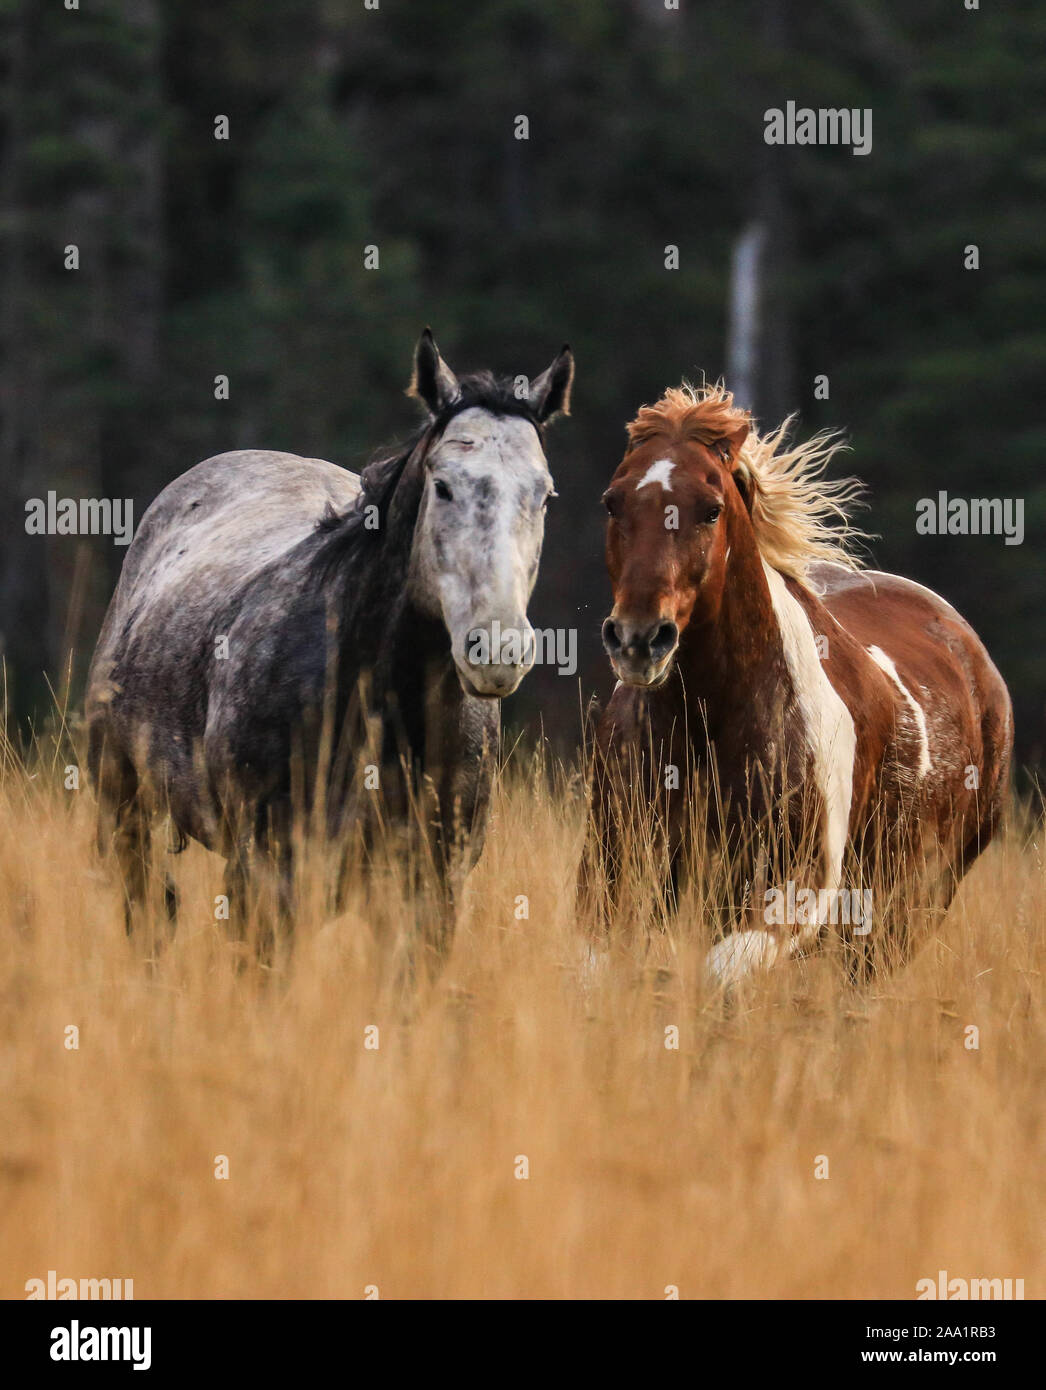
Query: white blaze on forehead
[659, 472]
[883, 661]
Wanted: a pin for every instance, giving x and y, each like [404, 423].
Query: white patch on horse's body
[829, 731]
[832, 741]
[918, 714]
[478, 540]
[831, 738]
[947, 756]
[740, 954]
[659, 472]
[828, 724]
[744, 952]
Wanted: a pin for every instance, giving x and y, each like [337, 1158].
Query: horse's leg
[277, 921]
[618, 824]
[447, 809]
[438, 921]
[234, 890]
[941, 891]
[123, 826]
[978, 842]
[971, 848]
[893, 874]
[132, 842]
[254, 864]
[750, 939]
[597, 885]
[438, 876]
[782, 853]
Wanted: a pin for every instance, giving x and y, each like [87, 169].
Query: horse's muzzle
[496, 658]
[640, 653]
[491, 682]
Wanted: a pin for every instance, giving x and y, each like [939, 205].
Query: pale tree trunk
[745, 314]
[761, 347]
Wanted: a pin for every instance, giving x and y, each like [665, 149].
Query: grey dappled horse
[267, 598]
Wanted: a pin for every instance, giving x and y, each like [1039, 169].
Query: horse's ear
[729, 449]
[729, 446]
[550, 392]
[742, 476]
[433, 381]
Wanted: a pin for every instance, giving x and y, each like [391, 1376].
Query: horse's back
[228, 525]
[232, 515]
[218, 525]
[898, 616]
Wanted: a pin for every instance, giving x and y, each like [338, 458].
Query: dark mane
[488, 392]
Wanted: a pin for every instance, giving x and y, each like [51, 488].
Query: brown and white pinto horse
[854, 710]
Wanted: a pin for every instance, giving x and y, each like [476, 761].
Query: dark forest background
[394, 127]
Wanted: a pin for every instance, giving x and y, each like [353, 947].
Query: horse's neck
[734, 664]
[389, 653]
[417, 647]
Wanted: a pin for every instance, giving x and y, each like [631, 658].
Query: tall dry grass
[397, 1167]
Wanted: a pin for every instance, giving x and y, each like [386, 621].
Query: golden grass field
[397, 1167]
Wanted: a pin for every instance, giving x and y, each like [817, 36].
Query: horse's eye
[610, 502]
[443, 491]
[713, 514]
[548, 498]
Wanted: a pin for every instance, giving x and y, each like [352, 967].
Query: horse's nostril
[664, 639]
[611, 636]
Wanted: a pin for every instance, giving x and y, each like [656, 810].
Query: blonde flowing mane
[799, 517]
